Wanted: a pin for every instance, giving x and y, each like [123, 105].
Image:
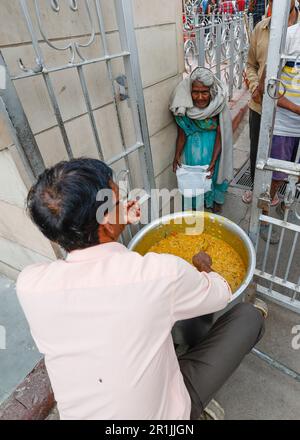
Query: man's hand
[257, 95]
[202, 262]
[133, 212]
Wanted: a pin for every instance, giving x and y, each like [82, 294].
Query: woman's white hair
[207, 78]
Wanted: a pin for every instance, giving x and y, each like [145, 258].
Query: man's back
[103, 319]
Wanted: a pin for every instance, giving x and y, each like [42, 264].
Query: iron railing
[75, 57]
[278, 274]
[220, 43]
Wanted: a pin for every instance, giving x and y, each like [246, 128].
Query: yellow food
[225, 260]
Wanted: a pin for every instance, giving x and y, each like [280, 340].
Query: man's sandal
[247, 197]
[261, 306]
[213, 411]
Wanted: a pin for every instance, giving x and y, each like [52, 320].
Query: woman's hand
[202, 262]
[176, 163]
[211, 170]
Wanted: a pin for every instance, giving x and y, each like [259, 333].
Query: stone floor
[257, 391]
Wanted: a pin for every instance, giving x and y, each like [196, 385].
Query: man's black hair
[63, 202]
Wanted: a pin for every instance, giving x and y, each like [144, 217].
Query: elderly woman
[199, 104]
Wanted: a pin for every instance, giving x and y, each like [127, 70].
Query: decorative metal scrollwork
[37, 69]
[236, 74]
[73, 5]
[190, 53]
[55, 5]
[224, 44]
[190, 6]
[225, 41]
[210, 49]
[226, 76]
[56, 8]
[74, 46]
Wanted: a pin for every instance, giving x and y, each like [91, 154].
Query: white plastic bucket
[192, 180]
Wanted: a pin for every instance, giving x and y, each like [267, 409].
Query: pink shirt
[103, 320]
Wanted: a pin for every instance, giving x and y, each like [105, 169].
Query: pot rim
[223, 220]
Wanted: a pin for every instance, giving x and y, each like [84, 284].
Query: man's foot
[213, 411]
[264, 233]
[275, 200]
[261, 306]
[247, 197]
[217, 208]
[251, 298]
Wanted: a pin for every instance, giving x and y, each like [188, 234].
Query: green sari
[198, 150]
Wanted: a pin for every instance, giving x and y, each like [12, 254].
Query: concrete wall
[159, 38]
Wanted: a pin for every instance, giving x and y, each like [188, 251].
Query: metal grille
[220, 42]
[278, 274]
[115, 54]
[243, 178]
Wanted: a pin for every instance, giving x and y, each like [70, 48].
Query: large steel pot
[215, 225]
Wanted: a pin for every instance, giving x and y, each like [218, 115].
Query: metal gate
[219, 42]
[125, 91]
[278, 275]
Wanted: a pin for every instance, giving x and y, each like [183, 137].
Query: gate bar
[90, 110]
[267, 248]
[280, 299]
[46, 77]
[280, 223]
[99, 13]
[124, 12]
[20, 127]
[279, 165]
[71, 65]
[291, 256]
[277, 41]
[276, 280]
[275, 364]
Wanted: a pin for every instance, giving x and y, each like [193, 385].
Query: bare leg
[273, 191]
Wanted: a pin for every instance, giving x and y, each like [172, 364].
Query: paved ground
[255, 391]
[20, 355]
